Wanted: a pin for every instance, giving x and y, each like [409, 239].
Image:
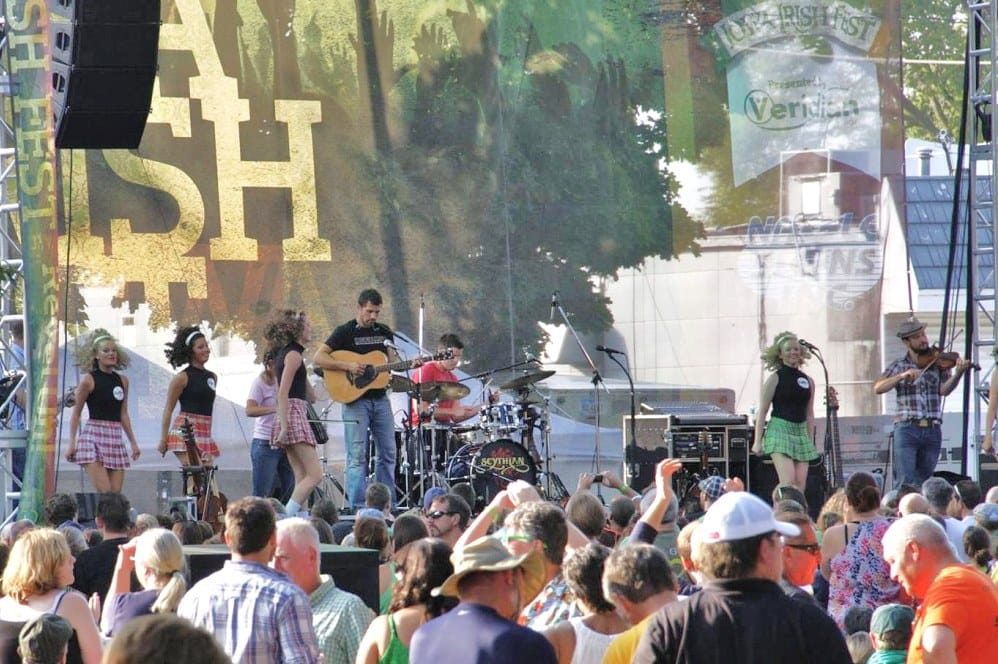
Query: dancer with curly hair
[194, 388]
[790, 392]
[287, 336]
[99, 447]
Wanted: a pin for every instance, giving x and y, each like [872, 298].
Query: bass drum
[497, 464]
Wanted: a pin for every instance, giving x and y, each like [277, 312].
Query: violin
[944, 359]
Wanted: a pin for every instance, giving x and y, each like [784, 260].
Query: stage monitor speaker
[762, 481]
[87, 507]
[103, 69]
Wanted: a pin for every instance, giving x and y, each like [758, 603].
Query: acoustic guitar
[344, 387]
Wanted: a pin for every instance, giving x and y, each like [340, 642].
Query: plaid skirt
[299, 430]
[202, 435]
[789, 439]
[101, 442]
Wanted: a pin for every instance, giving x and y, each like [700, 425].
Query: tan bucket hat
[910, 327]
[487, 554]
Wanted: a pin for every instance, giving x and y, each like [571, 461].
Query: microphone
[807, 344]
[390, 344]
[530, 357]
[603, 349]
[554, 305]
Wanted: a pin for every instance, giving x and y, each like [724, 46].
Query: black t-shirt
[104, 402]
[792, 395]
[198, 398]
[94, 568]
[298, 382]
[354, 338]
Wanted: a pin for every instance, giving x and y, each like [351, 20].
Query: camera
[598, 479]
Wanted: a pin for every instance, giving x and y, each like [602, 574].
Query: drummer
[446, 412]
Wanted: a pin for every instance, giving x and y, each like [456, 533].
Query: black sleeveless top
[297, 390]
[792, 395]
[11, 630]
[104, 402]
[198, 398]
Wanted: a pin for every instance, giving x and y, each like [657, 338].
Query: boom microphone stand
[597, 379]
[831, 471]
[631, 457]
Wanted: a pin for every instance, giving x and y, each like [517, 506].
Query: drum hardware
[528, 378]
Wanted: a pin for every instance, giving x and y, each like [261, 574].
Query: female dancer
[287, 336]
[791, 394]
[194, 387]
[270, 466]
[99, 448]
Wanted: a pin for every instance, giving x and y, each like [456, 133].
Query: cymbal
[528, 400]
[526, 379]
[400, 383]
[442, 390]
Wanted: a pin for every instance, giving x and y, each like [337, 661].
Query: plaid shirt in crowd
[256, 613]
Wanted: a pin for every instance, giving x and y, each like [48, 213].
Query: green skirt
[789, 439]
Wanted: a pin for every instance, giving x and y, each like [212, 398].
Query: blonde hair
[33, 566]
[86, 351]
[161, 552]
[771, 355]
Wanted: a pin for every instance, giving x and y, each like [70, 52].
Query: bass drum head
[497, 464]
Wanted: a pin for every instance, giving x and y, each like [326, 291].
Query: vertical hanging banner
[30, 67]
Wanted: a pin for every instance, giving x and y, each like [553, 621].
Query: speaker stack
[103, 68]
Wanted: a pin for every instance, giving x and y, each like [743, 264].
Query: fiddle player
[988, 446]
[920, 383]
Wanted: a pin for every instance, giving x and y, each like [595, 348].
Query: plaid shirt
[255, 613]
[341, 619]
[919, 398]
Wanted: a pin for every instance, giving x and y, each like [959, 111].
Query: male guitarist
[372, 409]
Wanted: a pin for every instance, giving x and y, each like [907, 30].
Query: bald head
[992, 496]
[913, 503]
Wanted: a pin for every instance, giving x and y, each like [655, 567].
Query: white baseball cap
[740, 515]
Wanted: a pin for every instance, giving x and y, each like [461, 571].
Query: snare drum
[498, 463]
[501, 419]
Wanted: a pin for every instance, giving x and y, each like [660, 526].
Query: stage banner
[30, 70]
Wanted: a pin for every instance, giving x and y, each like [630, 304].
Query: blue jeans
[271, 467]
[916, 452]
[359, 416]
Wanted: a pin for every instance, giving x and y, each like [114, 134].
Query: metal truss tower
[13, 362]
[982, 180]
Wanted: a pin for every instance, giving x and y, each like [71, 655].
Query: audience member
[324, 529]
[977, 548]
[859, 646]
[857, 619]
[340, 618]
[851, 553]
[255, 612]
[372, 533]
[992, 495]
[801, 556]
[686, 544]
[741, 611]
[156, 557]
[968, 496]
[638, 580]
[325, 509]
[61, 509]
[44, 640]
[942, 496]
[789, 492]
[378, 496]
[144, 522]
[922, 558]
[913, 503]
[36, 581]
[890, 632]
[583, 640]
[95, 566]
[93, 537]
[163, 638]
[832, 512]
[492, 583]
[587, 513]
[409, 528]
[619, 520]
[13, 530]
[188, 532]
[425, 567]
[467, 492]
[448, 517]
[74, 537]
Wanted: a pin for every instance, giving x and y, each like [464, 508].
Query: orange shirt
[966, 601]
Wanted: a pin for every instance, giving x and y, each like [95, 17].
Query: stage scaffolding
[14, 369]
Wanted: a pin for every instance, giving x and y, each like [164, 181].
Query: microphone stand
[830, 470]
[597, 380]
[631, 455]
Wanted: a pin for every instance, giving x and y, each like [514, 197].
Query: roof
[929, 211]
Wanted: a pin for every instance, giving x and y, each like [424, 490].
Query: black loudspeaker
[103, 69]
[762, 481]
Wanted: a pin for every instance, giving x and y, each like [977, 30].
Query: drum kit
[489, 452]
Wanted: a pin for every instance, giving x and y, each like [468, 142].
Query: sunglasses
[810, 548]
[436, 515]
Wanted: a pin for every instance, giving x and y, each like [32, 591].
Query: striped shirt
[256, 613]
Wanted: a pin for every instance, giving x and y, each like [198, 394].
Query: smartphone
[598, 479]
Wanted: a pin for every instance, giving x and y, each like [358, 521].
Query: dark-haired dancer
[194, 388]
[99, 448]
[287, 336]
